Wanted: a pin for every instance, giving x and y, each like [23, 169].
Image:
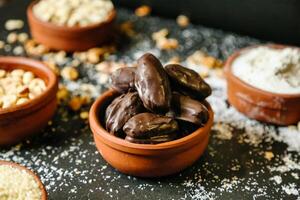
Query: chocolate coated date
[122, 79]
[153, 140]
[152, 84]
[187, 82]
[149, 125]
[121, 110]
[188, 109]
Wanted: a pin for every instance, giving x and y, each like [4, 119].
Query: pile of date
[156, 104]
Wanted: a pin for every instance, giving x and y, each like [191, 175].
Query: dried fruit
[187, 81]
[152, 84]
[121, 110]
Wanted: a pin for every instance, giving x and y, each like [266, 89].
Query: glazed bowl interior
[39, 70]
[98, 112]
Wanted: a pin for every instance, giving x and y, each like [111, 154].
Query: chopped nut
[12, 37]
[2, 73]
[9, 100]
[183, 21]
[160, 34]
[69, 73]
[81, 56]
[75, 103]
[13, 24]
[167, 44]
[127, 28]
[142, 11]
[269, 155]
[17, 72]
[36, 86]
[200, 58]
[94, 55]
[21, 101]
[22, 37]
[84, 115]
[174, 60]
[18, 50]
[60, 57]
[27, 77]
[219, 73]
[204, 74]
[298, 126]
[52, 66]
[62, 94]
[35, 49]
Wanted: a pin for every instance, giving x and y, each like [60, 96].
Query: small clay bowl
[31, 173]
[70, 38]
[146, 160]
[20, 121]
[279, 109]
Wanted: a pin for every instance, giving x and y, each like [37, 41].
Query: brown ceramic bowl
[69, 38]
[37, 179]
[146, 160]
[280, 109]
[18, 122]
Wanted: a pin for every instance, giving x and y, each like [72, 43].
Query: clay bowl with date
[146, 160]
[44, 195]
[70, 38]
[279, 109]
[20, 121]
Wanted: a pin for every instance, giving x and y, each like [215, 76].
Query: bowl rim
[229, 73]
[49, 25]
[39, 100]
[98, 129]
[30, 172]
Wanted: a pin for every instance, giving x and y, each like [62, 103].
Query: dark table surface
[233, 166]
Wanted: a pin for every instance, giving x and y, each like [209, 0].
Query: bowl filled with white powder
[19, 183]
[263, 82]
[71, 25]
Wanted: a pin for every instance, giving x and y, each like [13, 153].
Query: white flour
[272, 70]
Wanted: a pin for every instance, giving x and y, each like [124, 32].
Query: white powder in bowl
[73, 12]
[17, 184]
[269, 69]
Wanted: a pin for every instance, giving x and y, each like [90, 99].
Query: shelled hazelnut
[19, 86]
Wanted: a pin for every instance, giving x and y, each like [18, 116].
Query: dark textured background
[65, 157]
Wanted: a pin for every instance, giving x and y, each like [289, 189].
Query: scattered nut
[127, 28]
[62, 94]
[201, 58]
[143, 11]
[269, 155]
[298, 126]
[174, 60]
[84, 115]
[2, 44]
[162, 42]
[22, 37]
[18, 50]
[13, 24]
[12, 37]
[75, 103]
[35, 49]
[69, 73]
[183, 21]
[52, 66]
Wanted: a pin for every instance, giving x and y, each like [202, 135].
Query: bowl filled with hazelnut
[71, 25]
[27, 98]
[18, 182]
[263, 82]
[154, 121]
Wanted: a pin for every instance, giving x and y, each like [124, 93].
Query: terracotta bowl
[37, 179]
[18, 122]
[70, 38]
[146, 160]
[279, 109]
